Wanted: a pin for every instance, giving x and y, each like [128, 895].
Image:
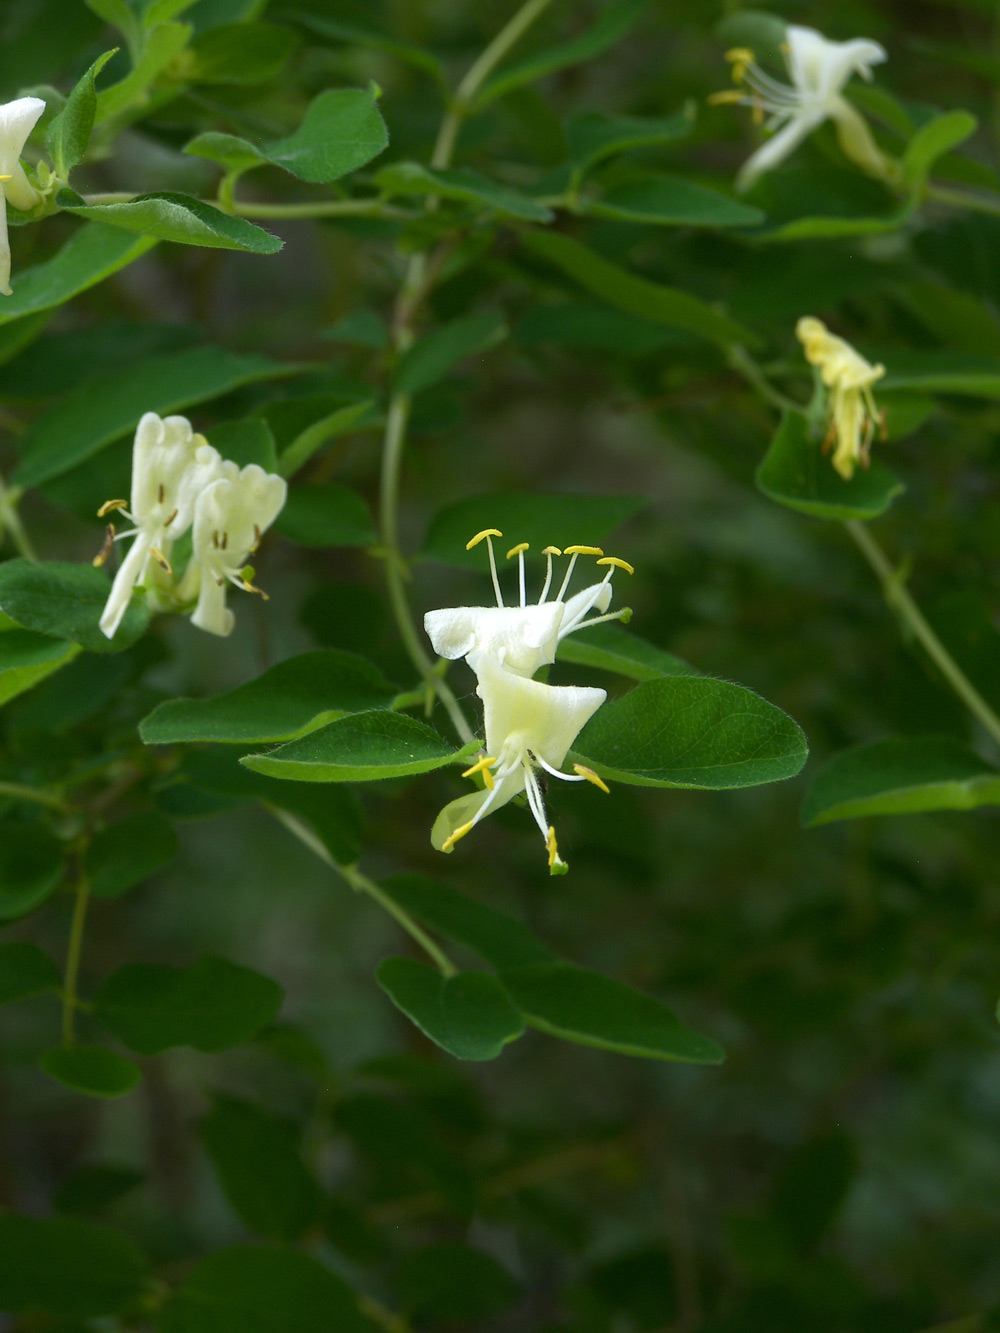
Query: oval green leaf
[31, 866]
[433, 357]
[594, 135]
[342, 131]
[167, 216]
[933, 140]
[468, 1015]
[609, 648]
[27, 657]
[25, 970]
[93, 1070]
[691, 731]
[65, 1266]
[66, 601]
[671, 201]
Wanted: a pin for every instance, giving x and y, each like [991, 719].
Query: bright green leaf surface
[65, 1266]
[92, 254]
[256, 1289]
[67, 601]
[211, 1006]
[431, 359]
[594, 136]
[68, 135]
[103, 409]
[362, 748]
[796, 472]
[469, 1015]
[610, 648]
[167, 216]
[126, 853]
[671, 201]
[294, 695]
[933, 140]
[593, 1010]
[25, 970]
[31, 866]
[326, 515]
[462, 185]
[93, 1070]
[900, 777]
[343, 130]
[27, 657]
[638, 296]
[690, 731]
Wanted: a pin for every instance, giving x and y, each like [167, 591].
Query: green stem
[741, 360]
[362, 884]
[11, 519]
[73, 952]
[913, 619]
[18, 791]
[943, 194]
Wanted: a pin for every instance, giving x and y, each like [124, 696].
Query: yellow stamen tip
[460, 832]
[516, 550]
[743, 54]
[583, 550]
[591, 776]
[618, 564]
[486, 532]
[161, 559]
[109, 505]
[730, 96]
[483, 763]
[551, 550]
[551, 846]
[6, 178]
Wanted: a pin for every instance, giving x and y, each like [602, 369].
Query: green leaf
[637, 296]
[167, 216]
[31, 866]
[27, 658]
[609, 648]
[593, 1010]
[796, 472]
[162, 11]
[500, 940]
[434, 356]
[249, 440]
[159, 48]
[614, 22]
[90, 1189]
[65, 1266]
[89, 256]
[291, 698]
[462, 185]
[690, 731]
[837, 227]
[468, 1015]
[900, 777]
[257, 1289]
[211, 1006]
[451, 1284]
[239, 53]
[67, 601]
[321, 432]
[68, 134]
[236, 155]
[594, 136]
[93, 1070]
[107, 407]
[342, 130]
[942, 371]
[326, 515]
[542, 520]
[126, 853]
[671, 201]
[260, 1169]
[25, 970]
[362, 748]
[933, 140]
[756, 29]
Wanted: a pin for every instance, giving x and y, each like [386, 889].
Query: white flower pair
[180, 482]
[529, 725]
[17, 120]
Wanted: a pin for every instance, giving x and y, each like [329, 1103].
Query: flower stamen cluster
[850, 405]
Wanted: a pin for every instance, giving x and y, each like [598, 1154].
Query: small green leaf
[168, 216]
[796, 472]
[837, 227]
[612, 649]
[933, 140]
[129, 852]
[593, 1010]
[943, 371]
[259, 1289]
[469, 1015]
[900, 777]
[67, 601]
[326, 515]
[690, 731]
[462, 185]
[295, 696]
[434, 356]
[68, 134]
[25, 970]
[27, 658]
[31, 866]
[542, 520]
[342, 130]
[671, 201]
[259, 1164]
[239, 53]
[653, 301]
[234, 154]
[93, 1070]
[361, 748]
[65, 1266]
[211, 1006]
[319, 433]
[595, 136]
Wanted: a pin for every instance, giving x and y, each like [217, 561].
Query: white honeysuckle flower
[530, 726]
[818, 69]
[850, 404]
[170, 466]
[524, 637]
[17, 120]
[231, 514]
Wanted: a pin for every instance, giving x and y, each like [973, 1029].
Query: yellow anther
[516, 550]
[105, 550]
[583, 550]
[740, 55]
[109, 505]
[482, 765]
[618, 564]
[6, 178]
[591, 776]
[460, 832]
[486, 532]
[161, 559]
[730, 96]
[550, 844]
[551, 550]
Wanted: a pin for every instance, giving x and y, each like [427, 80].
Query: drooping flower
[231, 514]
[818, 69]
[850, 404]
[530, 727]
[170, 466]
[524, 637]
[17, 120]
